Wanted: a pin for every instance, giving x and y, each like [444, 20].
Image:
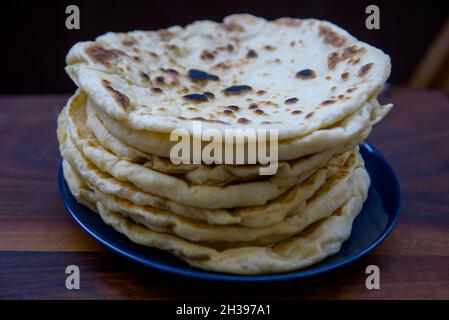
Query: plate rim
[207, 275]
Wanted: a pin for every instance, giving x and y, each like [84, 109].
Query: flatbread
[199, 174]
[313, 245]
[274, 211]
[343, 132]
[209, 197]
[302, 74]
[327, 199]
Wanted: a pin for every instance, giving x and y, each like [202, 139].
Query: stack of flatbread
[307, 80]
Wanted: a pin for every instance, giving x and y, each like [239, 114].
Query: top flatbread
[292, 75]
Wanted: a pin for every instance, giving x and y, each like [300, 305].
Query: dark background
[35, 41]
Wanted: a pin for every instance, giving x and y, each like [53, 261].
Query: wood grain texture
[38, 239]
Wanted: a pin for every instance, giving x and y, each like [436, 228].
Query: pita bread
[317, 242]
[345, 131]
[274, 211]
[327, 199]
[302, 74]
[245, 194]
[196, 174]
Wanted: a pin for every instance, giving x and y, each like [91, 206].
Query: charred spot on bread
[196, 75]
[103, 56]
[334, 58]
[207, 55]
[310, 115]
[196, 97]
[171, 71]
[160, 79]
[121, 99]
[233, 108]
[210, 95]
[331, 37]
[251, 54]
[129, 42]
[291, 100]
[327, 102]
[156, 90]
[243, 121]
[306, 74]
[228, 112]
[364, 70]
[233, 27]
[144, 76]
[237, 90]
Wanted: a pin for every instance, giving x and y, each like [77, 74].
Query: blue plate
[374, 223]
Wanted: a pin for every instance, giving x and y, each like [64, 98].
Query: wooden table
[38, 238]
